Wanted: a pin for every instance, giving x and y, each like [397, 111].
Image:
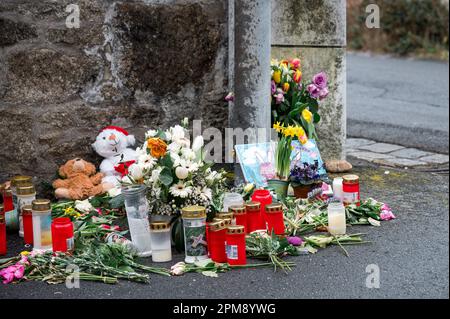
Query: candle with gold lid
[42, 224]
[194, 224]
[26, 194]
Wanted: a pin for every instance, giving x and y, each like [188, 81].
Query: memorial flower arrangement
[294, 102]
[175, 172]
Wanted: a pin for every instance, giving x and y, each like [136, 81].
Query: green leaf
[316, 118]
[167, 161]
[166, 177]
[314, 106]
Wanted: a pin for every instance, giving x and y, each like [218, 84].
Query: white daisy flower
[180, 190]
[146, 161]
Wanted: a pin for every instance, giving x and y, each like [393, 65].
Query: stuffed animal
[112, 143]
[80, 181]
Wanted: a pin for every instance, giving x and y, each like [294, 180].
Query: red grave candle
[255, 220]
[216, 241]
[240, 216]
[2, 233]
[262, 196]
[27, 217]
[275, 219]
[350, 189]
[62, 235]
[7, 200]
[235, 239]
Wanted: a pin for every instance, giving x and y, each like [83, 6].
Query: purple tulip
[314, 91]
[295, 241]
[274, 87]
[320, 80]
[323, 93]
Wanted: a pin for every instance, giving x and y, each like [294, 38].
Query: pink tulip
[387, 215]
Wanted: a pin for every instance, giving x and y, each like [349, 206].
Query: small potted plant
[304, 178]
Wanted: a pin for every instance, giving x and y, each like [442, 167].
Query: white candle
[337, 188]
[336, 219]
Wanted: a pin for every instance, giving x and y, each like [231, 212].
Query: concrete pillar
[315, 31]
[252, 49]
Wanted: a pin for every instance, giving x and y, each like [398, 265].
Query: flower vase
[302, 191]
[280, 187]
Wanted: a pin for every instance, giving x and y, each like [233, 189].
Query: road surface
[400, 101]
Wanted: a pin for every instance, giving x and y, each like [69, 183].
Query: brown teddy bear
[80, 181]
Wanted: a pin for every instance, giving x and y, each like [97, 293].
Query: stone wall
[315, 31]
[135, 64]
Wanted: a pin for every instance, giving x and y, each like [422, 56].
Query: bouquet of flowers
[175, 172]
[294, 103]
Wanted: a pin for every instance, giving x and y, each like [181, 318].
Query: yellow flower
[289, 131]
[286, 87]
[278, 127]
[297, 76]
[307, 115]
[299, 131]
[277, 76]
[25, 253]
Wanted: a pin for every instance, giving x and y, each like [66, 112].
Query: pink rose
[387, 215]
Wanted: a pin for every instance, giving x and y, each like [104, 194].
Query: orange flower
[157, 147]
[286, 87]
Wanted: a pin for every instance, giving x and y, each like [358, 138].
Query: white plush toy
[112, 143]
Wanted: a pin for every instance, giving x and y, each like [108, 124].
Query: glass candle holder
[232, 199]
[235, 240]
[136, 206]
[337, 188]
[42, 223]
[350, 187]
[161, 242]
[275, 219]
[194, 223]
[216, 241]
[26, 194]
[240, 216]
[16, 181]
[336, 219]
[11, 219]
[27, 215]
[3, 247]
[264, 198]
[255, 220]
[62, 235]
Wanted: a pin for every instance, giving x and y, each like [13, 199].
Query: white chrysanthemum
[188, 154]
[180, 190]
[151, 133]
[174, 147]
[146, 161]
[177, 133]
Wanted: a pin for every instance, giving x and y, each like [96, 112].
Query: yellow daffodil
[277, 76]
[307, 115]
[278, 127]
[286, 87]
[289, 131]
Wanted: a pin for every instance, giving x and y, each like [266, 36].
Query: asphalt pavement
[411, 253]
[399, 101]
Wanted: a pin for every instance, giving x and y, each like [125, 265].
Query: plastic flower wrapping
[175, 172]
[295, 103]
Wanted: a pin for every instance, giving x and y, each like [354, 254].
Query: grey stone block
[381, 148]
[369, 156]
[436, 159]
[354, 143]
[305, 22]
[399, 162]
[410, 153]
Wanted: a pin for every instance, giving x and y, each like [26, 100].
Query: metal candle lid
[26, 190]
[225, 215]
[41, 205]
[236, 230]
[351, 179]
[253, 206]
[2, 219]
[193, 212]
[159, 226]
[274, 208]
[217, 225]
[1, 208]
[237, 210]
[27, 210]
[20, 180]
[227, 221]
